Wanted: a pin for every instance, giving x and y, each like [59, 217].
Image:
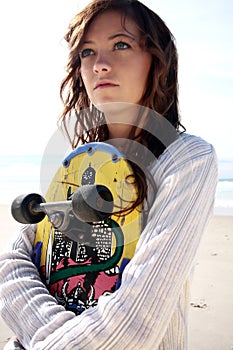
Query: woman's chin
[111, 108]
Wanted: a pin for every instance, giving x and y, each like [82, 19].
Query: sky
[33, 57]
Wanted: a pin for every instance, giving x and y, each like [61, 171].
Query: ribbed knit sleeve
[149, 309]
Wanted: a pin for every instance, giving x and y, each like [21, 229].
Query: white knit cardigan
[149, 311]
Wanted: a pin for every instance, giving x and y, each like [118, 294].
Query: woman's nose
[102, 64]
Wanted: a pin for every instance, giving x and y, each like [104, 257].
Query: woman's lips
[104, 84]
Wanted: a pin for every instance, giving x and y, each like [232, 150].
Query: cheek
[143, 68]
[86, 78]
[146, 64]
[145, 73]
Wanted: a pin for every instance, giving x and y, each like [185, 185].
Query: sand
[211, 306]
[211, 309]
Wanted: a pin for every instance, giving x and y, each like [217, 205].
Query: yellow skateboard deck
[78, 271]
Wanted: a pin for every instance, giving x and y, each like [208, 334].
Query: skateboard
[87, 230]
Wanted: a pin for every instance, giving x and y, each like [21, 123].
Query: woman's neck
[123, 120]
[121, 131]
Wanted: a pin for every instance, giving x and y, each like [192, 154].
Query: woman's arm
[21, 289]
[138, 314]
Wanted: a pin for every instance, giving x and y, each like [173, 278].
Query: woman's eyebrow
[111, 37]
[127, 35]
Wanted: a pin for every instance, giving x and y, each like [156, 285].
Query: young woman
[123, 67]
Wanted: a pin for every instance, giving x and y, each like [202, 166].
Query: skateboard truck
[88, 204]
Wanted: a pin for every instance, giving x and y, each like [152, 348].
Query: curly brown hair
[161, 94]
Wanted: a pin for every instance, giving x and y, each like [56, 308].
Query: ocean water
[224, 193]
[18, 175]
[22, 174]
[224, 198]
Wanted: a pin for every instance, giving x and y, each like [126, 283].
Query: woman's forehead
[109, 23]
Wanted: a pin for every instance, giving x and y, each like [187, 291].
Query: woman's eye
[121, 45]
[86, 52]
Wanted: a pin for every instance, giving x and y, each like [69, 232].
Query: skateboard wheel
[92, 203]
[22, 208]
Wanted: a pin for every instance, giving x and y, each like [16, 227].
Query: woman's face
[114, 67]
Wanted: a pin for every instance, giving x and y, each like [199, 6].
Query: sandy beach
[211, 306]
